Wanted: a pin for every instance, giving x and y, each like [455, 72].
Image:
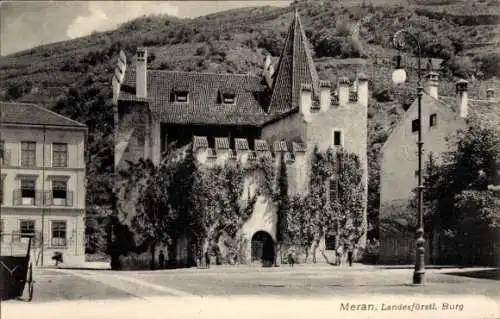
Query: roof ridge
[204, 73]
[46, 110]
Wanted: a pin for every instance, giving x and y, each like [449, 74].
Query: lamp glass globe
[399, 76]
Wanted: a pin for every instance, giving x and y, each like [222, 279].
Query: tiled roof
[221, 143]
[280, 146]
[32, 114]
[261, 145]
[298, 147]
[200, 142]
[254, 104]
[484, 110]
[203, 105]
[295, 67]
[241, 144]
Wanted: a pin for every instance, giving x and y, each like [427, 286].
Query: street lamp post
[399, 76]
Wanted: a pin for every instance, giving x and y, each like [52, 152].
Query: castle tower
[295, 67]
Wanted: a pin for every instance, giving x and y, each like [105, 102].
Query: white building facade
[42, 184]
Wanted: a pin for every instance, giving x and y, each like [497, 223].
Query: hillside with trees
[74, 77]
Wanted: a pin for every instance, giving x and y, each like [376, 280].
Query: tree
[456, 190]
[283, 203]
[154, 215]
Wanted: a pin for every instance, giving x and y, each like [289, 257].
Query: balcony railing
[48, 200]
[16, 243]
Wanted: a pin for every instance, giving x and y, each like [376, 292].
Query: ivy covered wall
[219, 206]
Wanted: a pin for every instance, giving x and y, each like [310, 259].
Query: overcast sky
[26, 24]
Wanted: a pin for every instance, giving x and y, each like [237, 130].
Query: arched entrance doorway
[263, 248]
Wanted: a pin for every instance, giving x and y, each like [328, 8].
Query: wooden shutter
[69, 198]
[48, 198]
[17, 197]
[6, 157]
[38, 198]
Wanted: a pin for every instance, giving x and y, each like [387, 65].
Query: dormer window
[181, 94]
[227, 96]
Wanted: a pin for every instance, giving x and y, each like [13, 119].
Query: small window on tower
[337, 138]
[433, 120]
[414, 125]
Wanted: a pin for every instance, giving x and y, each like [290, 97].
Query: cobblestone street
[301, 280]
[184, 293]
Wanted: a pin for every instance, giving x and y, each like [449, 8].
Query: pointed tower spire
[295, 67]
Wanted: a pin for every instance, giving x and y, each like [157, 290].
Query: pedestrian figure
[161, 260]
[349, 256]
[291, 260]
[207, 260]
[339, 255]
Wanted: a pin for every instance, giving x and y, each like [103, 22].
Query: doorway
[263, 249]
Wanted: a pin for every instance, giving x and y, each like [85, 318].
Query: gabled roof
[203, 105]
[486, 111]
[295, 67]
[32, 114]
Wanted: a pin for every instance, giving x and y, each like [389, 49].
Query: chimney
[462, 98]
[324, 95]
[431, 84]
[306, 99]
[490, 94]
[141, 70]
[343, 91]
[363, 95]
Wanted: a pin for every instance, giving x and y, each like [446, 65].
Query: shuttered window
[28, 154]
[59, 155]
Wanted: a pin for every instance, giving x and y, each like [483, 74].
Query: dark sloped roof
[295, 67]
[254, 104]
[32, 114]
[203, 105]
[485, 111]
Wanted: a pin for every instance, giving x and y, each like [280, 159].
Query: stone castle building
[242, 117]
[442, 116]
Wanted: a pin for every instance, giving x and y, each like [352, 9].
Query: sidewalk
[92, 265]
